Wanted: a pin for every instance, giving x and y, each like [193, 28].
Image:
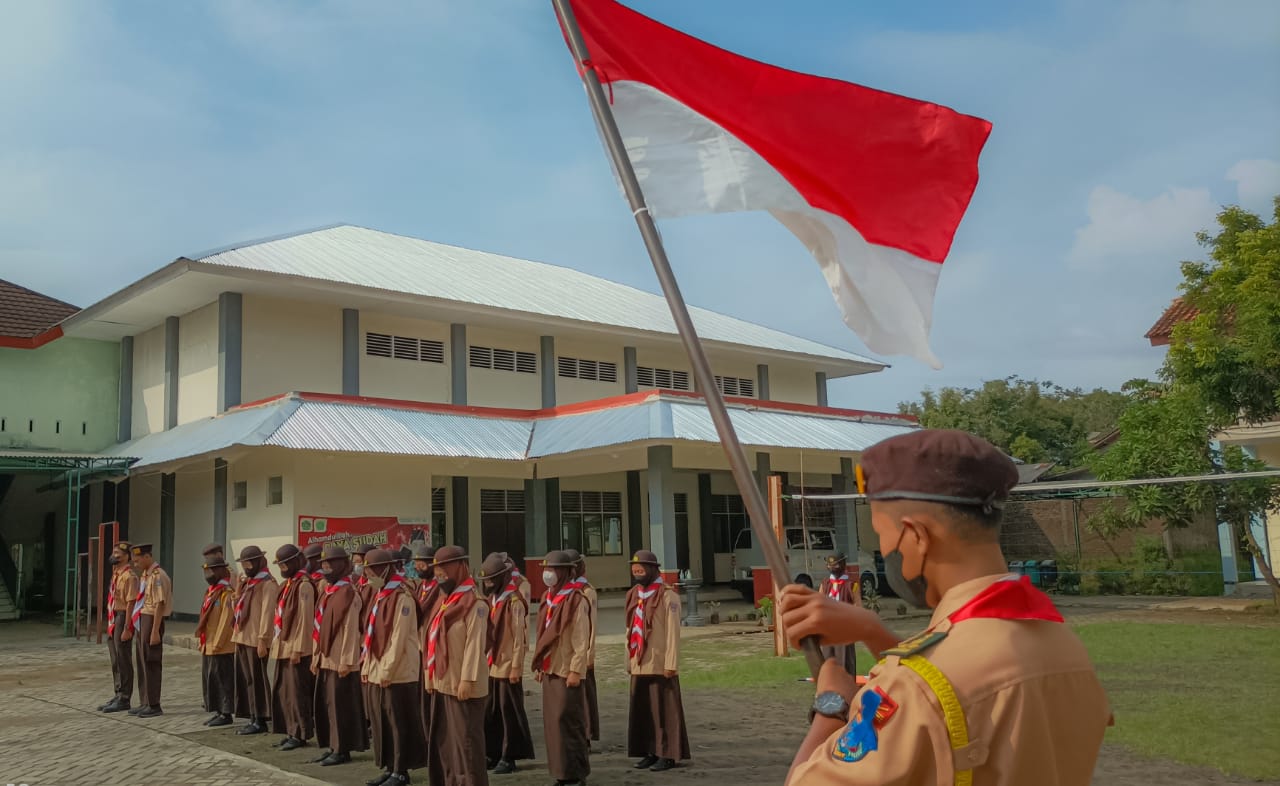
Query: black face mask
[639, 581]
[211, 579]
[914, 591]
[115, 560]
[329, 574]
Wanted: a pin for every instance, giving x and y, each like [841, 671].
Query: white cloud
[1124, 227]
[1257, 182]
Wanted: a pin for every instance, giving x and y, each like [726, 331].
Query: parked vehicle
[808, 562]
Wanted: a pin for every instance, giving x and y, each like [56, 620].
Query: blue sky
[137, 132]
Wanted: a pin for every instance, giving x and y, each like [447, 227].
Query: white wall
[192, 529]
[198, 364]
[404, 379]
[336, 485]
[571, 391]
[148, 382]
[795, 384]
[488, 388]
[144, 512]
[290, 345]
[267, 527]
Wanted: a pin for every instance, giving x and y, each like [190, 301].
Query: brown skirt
[339, 709]
[251, 671]
[295, 688]
[218, 678]
[591, 695]
[398, 742]
[655, 726]
[506, 726]
[455, 749]
[564, 725]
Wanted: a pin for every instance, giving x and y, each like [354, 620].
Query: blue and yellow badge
[860, 738]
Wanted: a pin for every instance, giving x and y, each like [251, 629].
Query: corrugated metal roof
[368, 258]
[297, 423]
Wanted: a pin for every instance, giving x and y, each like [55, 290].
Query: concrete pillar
[124, 424]
[707, 530]
[220, 501]
[662, 506]
[230, 349]
[350, 352]
[763, 471]
[537, 528]
[630, 382]
[168, 500]
[846, 518]
[461, 514]
[635, 516]
[821, 377]
[170, 372]
[458, 364]
[548, 371]
[762, 382]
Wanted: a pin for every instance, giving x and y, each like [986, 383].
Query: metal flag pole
[742, 476]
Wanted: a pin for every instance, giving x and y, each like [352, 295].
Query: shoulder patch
[404, 611]
[915, 644]
[860, 738]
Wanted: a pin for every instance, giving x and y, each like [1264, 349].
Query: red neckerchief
[209, 597]
[317, 576]
[135, 618]
[1011, 598]
[836, 584]
[111, 599]
[244, 596]
[433, 633]
[324, 602]
[384, 593]
[638, 634]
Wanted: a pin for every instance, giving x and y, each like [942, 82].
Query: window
[736, 386]
[647, 377]
[275, 490]
[590, 370]
[438, 517]
[591, 522]
[502, 360]
[240, 495]
[729, 519]
[385, 345]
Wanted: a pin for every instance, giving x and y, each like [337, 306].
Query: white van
[810, 562]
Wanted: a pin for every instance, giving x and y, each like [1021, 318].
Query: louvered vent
[377, 345]
[383, 345]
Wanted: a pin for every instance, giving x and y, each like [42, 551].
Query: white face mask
[549, 578]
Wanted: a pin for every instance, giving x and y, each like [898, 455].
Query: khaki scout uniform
[217, 664]
[395, 708]
[1025, 694]
[124, 592]
[655, 723]
[456, 747]
[256, 629]
[157, 604]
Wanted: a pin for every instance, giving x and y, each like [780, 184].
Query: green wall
[62, 396]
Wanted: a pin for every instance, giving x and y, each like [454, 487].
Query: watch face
[830, 704]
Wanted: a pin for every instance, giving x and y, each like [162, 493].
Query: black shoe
[219, 720]
[254, 727]
[378, 780]
[397, 779]
[663, 765]
[326, 754]
[647, 762]
[151, 712]
[335, 758]
[504, 767]
[103, 706]
[137, 709]
[120, 706]
[490, 763]
[292, 744]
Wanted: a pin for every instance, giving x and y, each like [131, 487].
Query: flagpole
[741, 467]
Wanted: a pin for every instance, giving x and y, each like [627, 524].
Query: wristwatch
[830, 704]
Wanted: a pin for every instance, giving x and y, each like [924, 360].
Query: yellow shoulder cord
[952, 712]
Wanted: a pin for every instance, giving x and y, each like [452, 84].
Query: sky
[134, 133]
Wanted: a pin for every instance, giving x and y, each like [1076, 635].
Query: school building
[345, 380]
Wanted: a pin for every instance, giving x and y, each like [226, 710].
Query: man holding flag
[656, 729]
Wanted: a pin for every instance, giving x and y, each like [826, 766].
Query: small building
[346, 383]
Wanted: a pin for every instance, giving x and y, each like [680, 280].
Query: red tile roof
[1177, 313]
[25, 314]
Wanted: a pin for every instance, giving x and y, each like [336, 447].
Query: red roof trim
[596, 405]
[31, 342]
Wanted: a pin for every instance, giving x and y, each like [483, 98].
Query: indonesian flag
[874, 184]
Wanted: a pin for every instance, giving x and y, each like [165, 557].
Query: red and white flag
[874, 184]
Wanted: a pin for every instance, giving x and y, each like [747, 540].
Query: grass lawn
[1205, 694]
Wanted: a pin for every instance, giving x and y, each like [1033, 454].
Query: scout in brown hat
[656, 730]
[122, 593]
[217, 652]
[392, 665]
[339, 708]
[292, 712]
[506, 725]
[995, 657]
[560, 661]
[522, 582]
[843, 588]
[213, 551]
[455, 673]
[146, 621]
[589, 692]
[252, 630]
[312, 554]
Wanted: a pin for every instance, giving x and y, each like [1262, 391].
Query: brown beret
[644, 557]
[936, 465]
[141, 548]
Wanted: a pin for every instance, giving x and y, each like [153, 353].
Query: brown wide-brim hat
[447, 554]
[836, 559]
[557, 559]
[333, 551]
[645, 557]
[250, 553]
[937, 465]
[424, 552]
[213, 548]
[493, 566]
[575, 556]
[287, 553]
[380, 557]
[216, 562]
[363, 549]
[313, 551]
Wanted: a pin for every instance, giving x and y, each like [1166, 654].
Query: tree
[1030, 420]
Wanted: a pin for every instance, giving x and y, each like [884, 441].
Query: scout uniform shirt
[660, 651]
[344, 650]
[399, 660]
[571, 649]
[461, 643]
[218, 604]
[257, 614]
[124, 590]
[158, 600]
[510, 615]
[593, 599]
[1033, 711]
[293, 618]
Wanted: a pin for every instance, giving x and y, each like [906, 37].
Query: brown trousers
[455, 749]
[398, 742]
[218, 679]
[150, 658]
[121, 658]
[339, 711]
[564, 725]
[506, 725]
[655, 725]
[251, 671]
[291, 699]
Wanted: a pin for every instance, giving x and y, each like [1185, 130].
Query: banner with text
[349, 532]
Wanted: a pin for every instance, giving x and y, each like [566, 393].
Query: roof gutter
[31, 342]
